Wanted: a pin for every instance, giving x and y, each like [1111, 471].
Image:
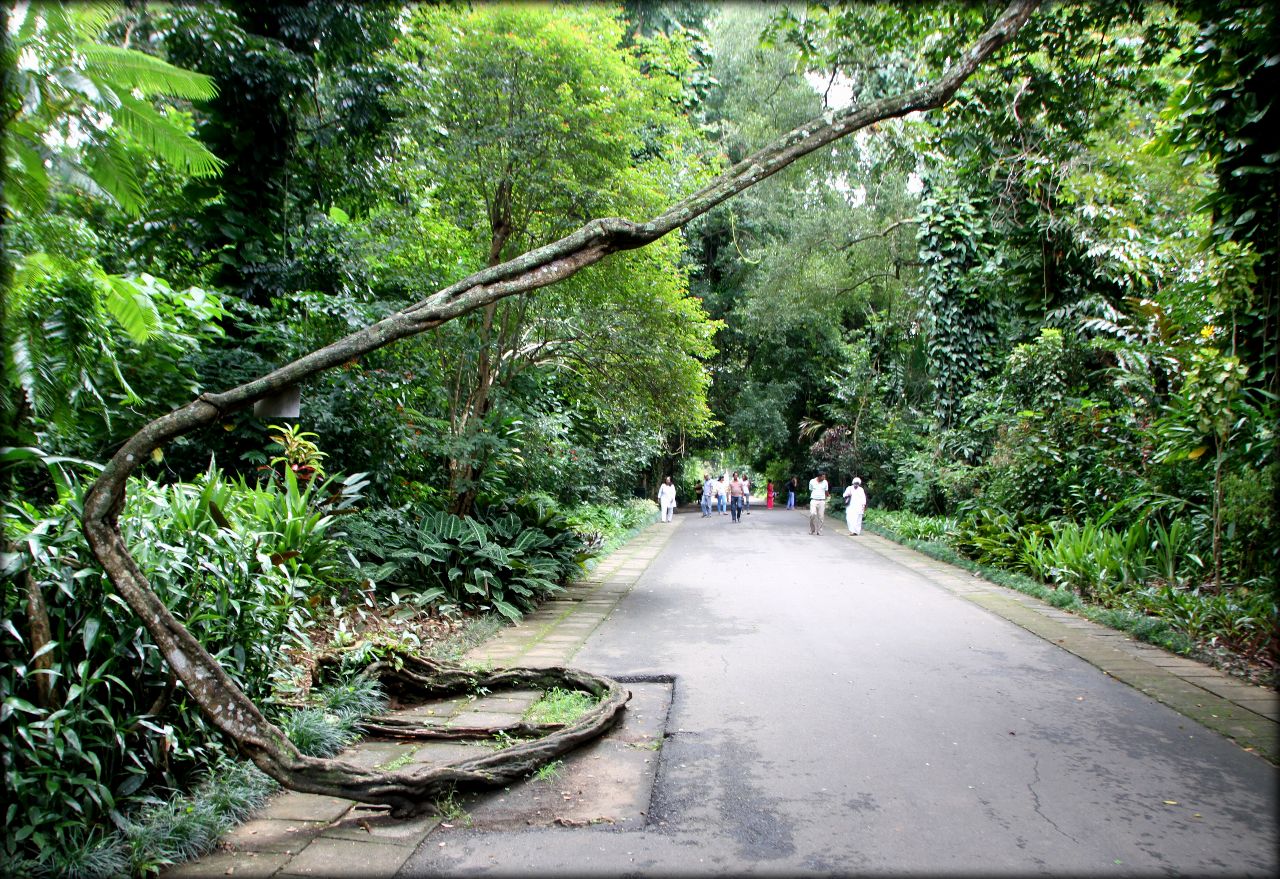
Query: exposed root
[415, 789]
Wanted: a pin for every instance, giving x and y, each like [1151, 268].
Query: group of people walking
[734, 493]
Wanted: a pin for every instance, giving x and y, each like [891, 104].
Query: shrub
[519, 552]
[89, 735]
[1250, 550]
[989, 537]
[910, 526]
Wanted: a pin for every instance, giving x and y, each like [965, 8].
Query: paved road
[835, 712]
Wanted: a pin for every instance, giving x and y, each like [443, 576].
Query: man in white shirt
[817, 503]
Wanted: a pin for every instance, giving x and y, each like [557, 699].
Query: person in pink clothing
[736, 493]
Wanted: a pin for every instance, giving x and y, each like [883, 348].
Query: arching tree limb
[405, 791]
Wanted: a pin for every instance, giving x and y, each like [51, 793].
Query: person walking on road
[855, 501]
[722, 492]
[667, 499]
[735, 498]
[817, 503]
[792, 487]
[746, 494]
[708, 494]
[768, 495]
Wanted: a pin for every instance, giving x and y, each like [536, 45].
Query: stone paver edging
[299, 834]
[1248, 714]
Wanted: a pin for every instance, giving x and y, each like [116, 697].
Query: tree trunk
[464, 471]
[410, 790]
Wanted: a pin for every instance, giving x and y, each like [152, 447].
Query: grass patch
[655, 745]
[548, 772]
[560, 706]
[332, 721]
[451, 810]
[399, 762]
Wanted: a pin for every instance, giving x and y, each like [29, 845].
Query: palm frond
[130, 305]
[26, 180]
[90, 19]
[809, 428]
[47, 20]
[73, 174]
[127, 70]
[115, 172]
[166, 140]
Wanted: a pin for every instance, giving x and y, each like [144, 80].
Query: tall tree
[532, 119]
[299, 84]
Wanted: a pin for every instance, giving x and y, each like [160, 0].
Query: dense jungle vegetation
[1041, 323]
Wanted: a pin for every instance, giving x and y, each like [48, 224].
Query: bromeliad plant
[299, 456]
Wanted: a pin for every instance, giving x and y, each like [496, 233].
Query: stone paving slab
[484, 718]
[607, 782]
[273, 835]
[348, 859]
[447, 752]
[292, 805]
[362, 826]
[372, 754]
[242, 865]
[1268, 708]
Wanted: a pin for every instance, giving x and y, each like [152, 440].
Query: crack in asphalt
[1035, 768]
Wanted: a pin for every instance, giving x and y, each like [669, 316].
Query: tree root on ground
[410, 678]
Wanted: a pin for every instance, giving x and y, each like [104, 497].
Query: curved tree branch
[214, 691]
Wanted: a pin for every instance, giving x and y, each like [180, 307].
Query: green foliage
[239, 564]
[608, 526]
[1222, 113]
[530, 121]
[162, 832]
[519, 552]
[317, 78]
[80, 342]
[1250, 512]
[299, 453]
[910, 526]
[87, 108]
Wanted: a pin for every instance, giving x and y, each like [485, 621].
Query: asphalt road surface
[835, 713]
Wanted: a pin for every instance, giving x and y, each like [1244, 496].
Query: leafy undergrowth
[364, 634]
